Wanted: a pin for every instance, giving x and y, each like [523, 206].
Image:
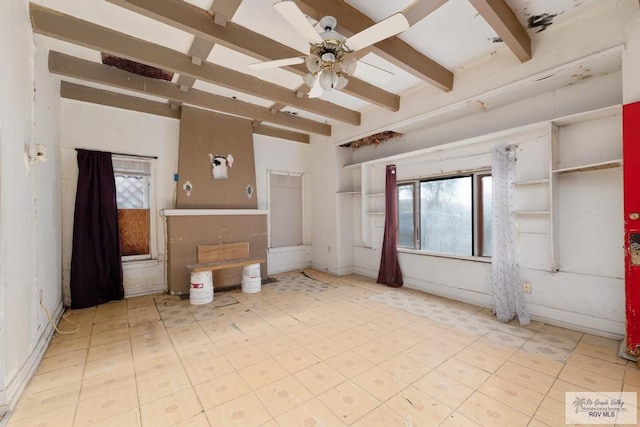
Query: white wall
[588, 291]
[30, 248]
[587, 63]
[272, 154]
[97, 127]
[324, 178]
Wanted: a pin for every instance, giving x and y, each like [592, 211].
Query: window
[133, 188]
[285, 209]
[449, 215]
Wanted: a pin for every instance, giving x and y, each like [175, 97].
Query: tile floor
[313, 350]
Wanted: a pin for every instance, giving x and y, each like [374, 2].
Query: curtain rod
[121, 154]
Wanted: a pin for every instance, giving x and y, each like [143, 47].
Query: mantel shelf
[590, 167]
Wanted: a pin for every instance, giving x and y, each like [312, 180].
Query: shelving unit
[585, 151]
[361, 182]
[610, 164]
[587, 142]
[584, 142]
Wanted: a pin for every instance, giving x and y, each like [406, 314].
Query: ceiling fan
[328, 62]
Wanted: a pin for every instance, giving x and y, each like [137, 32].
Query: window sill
[142, 263]
[433, 254]
[284, 249]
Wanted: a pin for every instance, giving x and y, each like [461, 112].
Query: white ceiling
[454, 36]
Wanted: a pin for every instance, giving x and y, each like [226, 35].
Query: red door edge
[631, 189]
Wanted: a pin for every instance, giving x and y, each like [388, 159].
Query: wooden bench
[221, 265]
[224, 256]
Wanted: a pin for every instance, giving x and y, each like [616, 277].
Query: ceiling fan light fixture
[313, 63]
[342, 82]
[328, 79]
[349, 66]
[328, 57]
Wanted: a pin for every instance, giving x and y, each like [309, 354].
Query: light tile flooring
[313, 350]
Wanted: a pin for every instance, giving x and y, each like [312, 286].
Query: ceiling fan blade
[277, 63]
[372, 73]
[316, 89]
[395, 24]
[290, 11]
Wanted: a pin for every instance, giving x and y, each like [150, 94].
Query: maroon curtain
[390, 273]
[96, 267]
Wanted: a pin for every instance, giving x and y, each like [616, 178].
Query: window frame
[151, 192]
[477, 216]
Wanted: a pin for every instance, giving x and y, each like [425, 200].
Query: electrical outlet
[526, 287]
[41, 296]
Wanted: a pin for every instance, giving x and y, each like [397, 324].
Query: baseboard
[324, 268]
[145, 290]
[577, 322]
[16, 386]
[290, 267]
[343, 271]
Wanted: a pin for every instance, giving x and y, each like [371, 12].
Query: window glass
[405, 216]
[485, 220]
[133, 185]
[446, 216]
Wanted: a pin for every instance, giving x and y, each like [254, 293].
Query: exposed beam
[201, 48]
[91, 71]
[281, 133]
[420, 9]
[194, 20]
[504, 22]
[55, 24]
[226, 8]
[118, 100]
[134, 103]
[393, 49]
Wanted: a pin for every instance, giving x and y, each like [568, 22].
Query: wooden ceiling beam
[134, 103]
[194, 20]
[420, 9]
[275, 132]
[504, 22]
[393, 49]
[117, 100]
[201, 48]
[64, 27]
[70, 66]
[226, 8]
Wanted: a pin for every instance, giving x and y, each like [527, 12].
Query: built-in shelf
[375, 195]
[352, 166]
[590, 167]
[525, 212]
[375, 213]
[589, 115]
[532, 182]
[349, 193]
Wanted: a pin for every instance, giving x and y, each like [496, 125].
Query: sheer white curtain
[507, 290]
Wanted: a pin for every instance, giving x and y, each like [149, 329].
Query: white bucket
[251, 280]
[201, 288]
